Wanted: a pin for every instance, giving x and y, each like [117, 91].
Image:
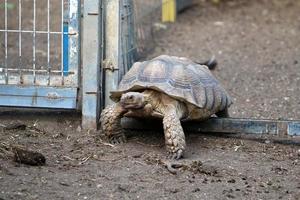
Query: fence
[140, 22]
[42, 63]
[39, 55]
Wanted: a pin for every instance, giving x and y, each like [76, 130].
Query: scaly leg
[110, 120]
[174, 135]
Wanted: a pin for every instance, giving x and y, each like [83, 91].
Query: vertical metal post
[33, 42]
[91, 53]
[5, 41]
[168, 10]
[20, 40]
[72, 42]
[62, 43]
[48, 42]
[112, 46]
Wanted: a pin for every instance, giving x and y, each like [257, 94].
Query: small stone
[64, 183]
[79, 129]
[231, 181]
[230, 196]
[267, 141]
[219, 23]
[196, 190]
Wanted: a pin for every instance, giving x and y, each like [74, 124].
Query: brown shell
[178, 77]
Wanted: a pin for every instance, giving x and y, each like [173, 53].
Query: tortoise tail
[211, 63]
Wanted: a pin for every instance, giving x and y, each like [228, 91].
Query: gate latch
[53, 95]
[107, 64]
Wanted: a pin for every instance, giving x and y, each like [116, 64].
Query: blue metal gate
[39, 53]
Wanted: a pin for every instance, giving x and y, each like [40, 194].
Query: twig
[151, 145]
[2, 125]
[84, 160]
[108, 144]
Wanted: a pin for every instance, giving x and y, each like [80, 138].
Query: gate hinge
[107, 64]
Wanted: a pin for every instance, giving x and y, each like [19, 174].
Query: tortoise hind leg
[110, 120]
[223, 113]
[174, 135]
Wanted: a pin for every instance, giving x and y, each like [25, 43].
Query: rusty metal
[91, 61]
[279, 128]
[112, 47]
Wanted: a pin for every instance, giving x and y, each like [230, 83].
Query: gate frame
[96, 89]
[92, 45]
[49, 96]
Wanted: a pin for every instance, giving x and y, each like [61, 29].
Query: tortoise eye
[130, 97]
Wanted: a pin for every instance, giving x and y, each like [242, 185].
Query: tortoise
[167, 87]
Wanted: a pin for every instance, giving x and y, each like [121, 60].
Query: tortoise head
[132, 100]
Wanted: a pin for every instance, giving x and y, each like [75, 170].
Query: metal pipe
[5, 41]
[20, 40]
[225, 125]
[62, 42]
[112, 48]
[30, 31]
[33, 42]
[48, 41]
[36, 70]
[91, 61]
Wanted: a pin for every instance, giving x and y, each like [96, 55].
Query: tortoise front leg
[110, 120]
[174, 135]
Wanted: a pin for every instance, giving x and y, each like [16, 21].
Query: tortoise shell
[177, 77]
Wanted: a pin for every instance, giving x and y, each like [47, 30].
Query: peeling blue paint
[34, 96]
[66, 49]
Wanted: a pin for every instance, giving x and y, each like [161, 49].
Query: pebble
[79, 129]
[267, 141]
[218, 23]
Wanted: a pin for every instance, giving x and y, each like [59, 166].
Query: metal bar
[38, 96]
[73, 44]
[20, 40]
[168, 10]
[48, 42]
[62, 42]
[31, 31]
[132, 29]
[225, 125]
[33, 42]
[123, 38]
[102, 45]
[66, 50]
[31, 70]
[37, 91]
[5, 41]
[112, 47]
[91, 62]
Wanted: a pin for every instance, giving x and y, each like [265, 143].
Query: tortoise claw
[117, 139]
[176, 155]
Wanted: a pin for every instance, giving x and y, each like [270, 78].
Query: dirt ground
[257, 46]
